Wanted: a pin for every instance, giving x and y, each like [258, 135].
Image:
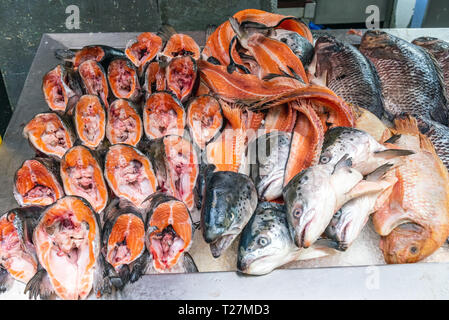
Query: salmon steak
[67, 241]
[123, 244]
[143, 49]
[100, 53]
[129, 173]
[82, 176]
[204, 119]
[181, 76]
[124, 124]
[94, 80]
[175, 161]
[90, 121]
[123, 79]
[168, 230]
[36, 182]
[154, 79]
[49, 135]
[163, 114]
[17, 252]
[61, 89]
[178, 44]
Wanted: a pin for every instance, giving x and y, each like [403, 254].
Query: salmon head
[49, 134]
[124, 124]
[17, 253]
[67, 241]
[82, 176]
[169, 230]
[407, 243]
[36, 182]
[229, 202]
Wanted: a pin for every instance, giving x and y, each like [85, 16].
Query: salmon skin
[82, 176]
[129, 174]
[440, 51]
[414, 223]
[163, 114]
[100, 53]
[61, 88]
[178, 44]
[204, 119]
[124, 124]
[49, 134]
[37, 182]
[411, 82]
[94, 80]
[349, 74]
[67, 241]
[123, 80]
[175, 161]
[169, 230]
[17, 252]
[143, 49]
[181, 77]
[229, 201]
[123, 245]
[89, 118]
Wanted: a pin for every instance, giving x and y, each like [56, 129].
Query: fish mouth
[272, 189]
[245, 265]
[300, 238]
[218, 246]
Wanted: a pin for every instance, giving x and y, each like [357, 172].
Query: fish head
[407, 243]
[265, 243]
[379, 45]
[230, 200]
[308, 212]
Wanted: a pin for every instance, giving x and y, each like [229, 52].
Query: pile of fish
[265, 136]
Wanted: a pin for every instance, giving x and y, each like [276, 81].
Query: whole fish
[123, 245]
[440, 50]
[229, 201]
[37, 182]
[315, 194]
[266, 243]
[365, 152]
[411, 82]
[267, 157]
[169, 231]
[349, 221]
[349, 74]
[415, 221]
[18, 260]
[67, 241]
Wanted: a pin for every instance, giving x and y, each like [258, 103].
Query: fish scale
[410, 81]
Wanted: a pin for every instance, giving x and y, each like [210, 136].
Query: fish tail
[166, 31]
[406, 125]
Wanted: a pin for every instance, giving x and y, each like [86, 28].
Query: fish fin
[379, 172]
[125, 274]
[6, 280]
[235, 25]
[387, 134]
[406, 125]
[326, 242]
[363, 188]
[139, 266]
[39, 285]
[64, 54]
[101, 284]
[393, 153]
[166, 31]
[427, 145]
[233, 115]
[321, 80]
[385, 221]
[345, 161]
[210, 28]
[189, 264]
[394, 138]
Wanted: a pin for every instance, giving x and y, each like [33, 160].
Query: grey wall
[22, 24]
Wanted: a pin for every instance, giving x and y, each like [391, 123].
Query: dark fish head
[407, 243]
[265, 243]
[376, 39]
[437, 47]
[230, 200]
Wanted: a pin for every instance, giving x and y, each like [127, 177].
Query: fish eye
[297, 213]
[413, 250]
[325, 158]
[263, 241]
